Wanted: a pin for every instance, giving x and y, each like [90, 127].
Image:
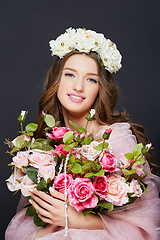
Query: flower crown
[85, 41]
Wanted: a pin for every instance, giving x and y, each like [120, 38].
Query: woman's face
[79, 84]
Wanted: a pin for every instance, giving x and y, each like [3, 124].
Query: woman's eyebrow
[71, 69]
[74, 70]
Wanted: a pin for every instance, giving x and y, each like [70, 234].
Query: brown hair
[104, 104]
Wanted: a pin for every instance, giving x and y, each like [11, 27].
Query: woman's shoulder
[118, 128]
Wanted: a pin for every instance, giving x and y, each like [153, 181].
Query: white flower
[149, 145]
[64, 44]
[85, 41]
[23, 114]
[135, 188]
[92, 112]
[88, 40]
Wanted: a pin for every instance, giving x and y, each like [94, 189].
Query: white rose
[89, 152]
[88, 40]
[64, 44]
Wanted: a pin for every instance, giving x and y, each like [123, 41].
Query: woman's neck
[80, 121]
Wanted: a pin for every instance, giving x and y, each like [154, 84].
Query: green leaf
[30, 211]
[89, 174]
[66, 148]
[36, 145]
[129, 156]
[47, 147]
[68, 137]
[38, 222]
[14, 150]
[20, 141]
[87, 166]
[105, 204]
[87, 141]
[87, 211]
[99, 167]
[72, 159]
[81, 130]
[140, 160]
[137, 149]
[99, 147]
[76, 168]
[49, 120]
[128, 172]
[74, 125]
[143, 186]
[31, 127]
[72, 145]
[32, 173]
[144, 150]
[42, 185]
[30, 134]
[100, 173]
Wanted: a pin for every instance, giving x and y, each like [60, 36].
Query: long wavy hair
[104, 104]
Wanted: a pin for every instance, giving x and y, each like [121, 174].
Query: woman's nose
[78, 85]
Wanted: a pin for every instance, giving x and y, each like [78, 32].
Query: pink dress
[140, 220]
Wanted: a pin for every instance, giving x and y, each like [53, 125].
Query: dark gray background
[26, 26]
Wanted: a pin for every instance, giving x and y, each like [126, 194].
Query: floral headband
[85, 41]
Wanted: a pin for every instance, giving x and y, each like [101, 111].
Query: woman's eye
[92, 80]
[69, 75]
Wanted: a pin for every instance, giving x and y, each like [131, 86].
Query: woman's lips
[76, 97]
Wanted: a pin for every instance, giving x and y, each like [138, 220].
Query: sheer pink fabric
[140, 220]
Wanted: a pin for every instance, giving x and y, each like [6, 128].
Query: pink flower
[108, 161]
[92, 112]
[21, 159]
[101, 186]
[138, 168]
[80, 194]
[108, 130]
[43, 113]
[39, 157]
[59, 183]
[82, 135]
[59, 150]
[117, 190]
[89, 152]
[26, 185]
[13, 182]
[47, 172]
[135, 188]
[58, 133]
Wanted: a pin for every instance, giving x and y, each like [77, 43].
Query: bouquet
[84, 170]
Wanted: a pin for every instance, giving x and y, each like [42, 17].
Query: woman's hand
[49, 208]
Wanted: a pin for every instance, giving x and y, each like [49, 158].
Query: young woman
[78, 81]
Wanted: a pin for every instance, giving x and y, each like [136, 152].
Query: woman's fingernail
[31, 190]
[30, 201]
[51, 189]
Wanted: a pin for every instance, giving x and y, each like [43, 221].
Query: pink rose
[47, 172]
[59, 183]
[92, 112]
[135, 188]
[89, 152]
[82, 135]
[108, 130]
[80, 194]
[21, 159]
[117, 190]
[39, 157]
[138, 168]
[108, 161]
[58, 133]
[26, 185]
[101, 186]
[59, 150]
[13, 182]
